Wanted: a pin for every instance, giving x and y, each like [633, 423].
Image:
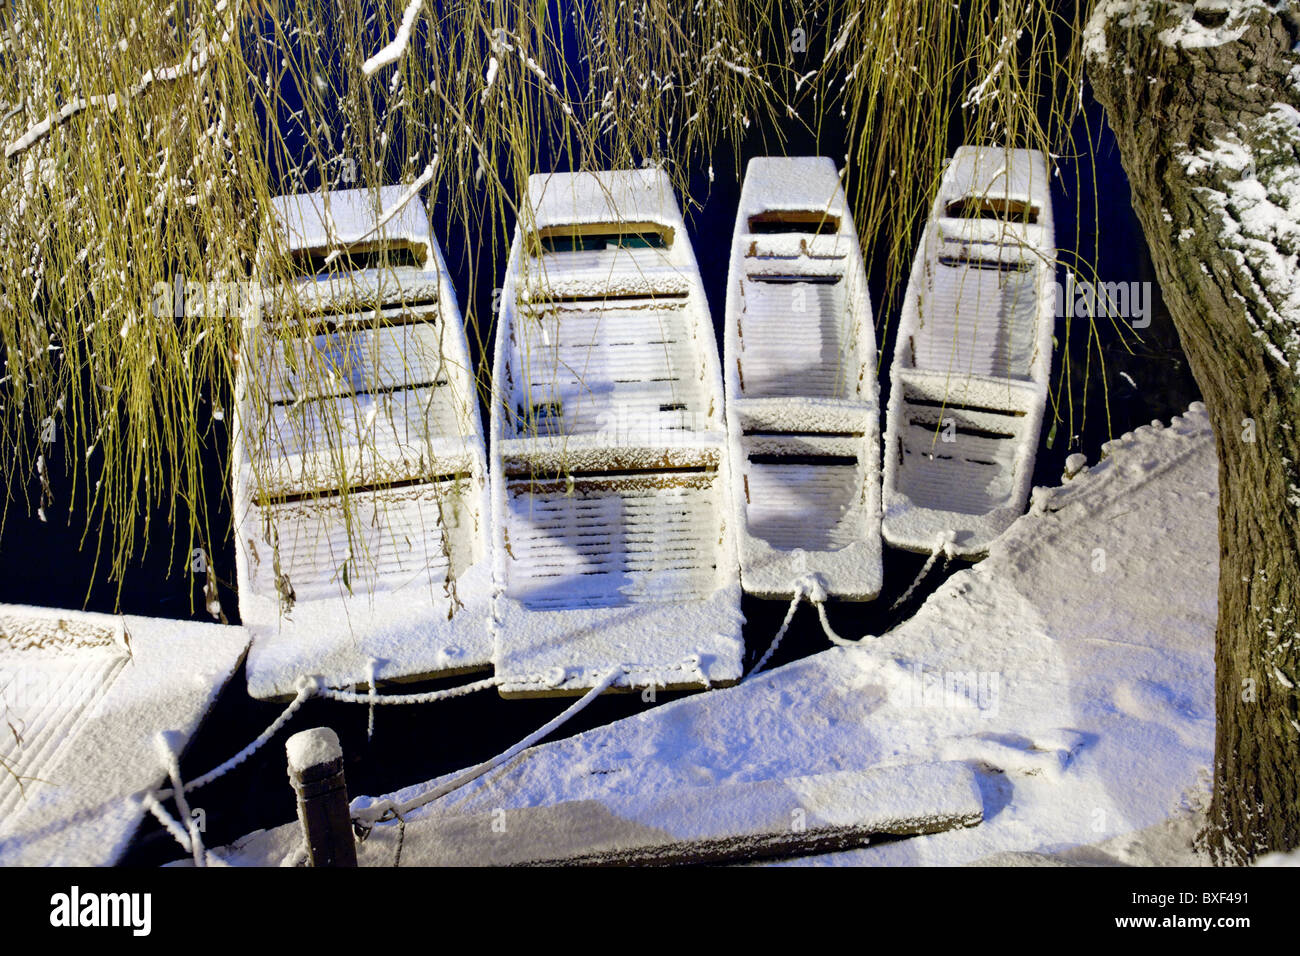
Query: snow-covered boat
[802, 397]
[612, 547]
[968, 386]
[85, 701]
[359, 478]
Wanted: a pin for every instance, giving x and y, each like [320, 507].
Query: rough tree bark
[1202, 98]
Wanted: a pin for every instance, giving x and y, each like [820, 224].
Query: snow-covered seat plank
[612, 541]
[360, 480]
[590, 367]
[981, 311]
[969, 377]
[802, 395]
[612, 548]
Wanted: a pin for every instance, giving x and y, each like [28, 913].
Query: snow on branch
[192, 65]
[412, 191]
[842, 38]
[501, 45]
[387, 215]
[978, 92]
[394, 50]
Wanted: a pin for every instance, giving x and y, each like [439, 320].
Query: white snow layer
[311, 748]
[83, 699]
[1071, 671]
[610, 196]
[321, 220]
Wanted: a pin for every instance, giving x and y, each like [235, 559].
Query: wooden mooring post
[316, 772]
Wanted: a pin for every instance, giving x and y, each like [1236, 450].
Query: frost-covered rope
[815, 588]
[785, 626]
[168, 821]
[367, 816]
[371, 698]
[308, 687]
[370, 715]
[189, 841]
[168, 755]
[830, 631]
[942, 546]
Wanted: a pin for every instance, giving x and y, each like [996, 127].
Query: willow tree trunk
[1202, 99]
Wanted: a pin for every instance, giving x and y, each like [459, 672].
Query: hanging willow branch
[125, 181]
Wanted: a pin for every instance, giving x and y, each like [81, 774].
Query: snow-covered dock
[968, 384]
[359, 478]
[608, 450]
[82, 699]
[802, 397]
[1071, 672]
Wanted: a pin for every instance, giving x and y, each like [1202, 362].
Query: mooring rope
[182, 805]
[370, 715]
[168, 821]
[817, 595]
[370, 698]
[785, 626]
[812, 588]
[942, 546]
[308, 687]
[365, 817]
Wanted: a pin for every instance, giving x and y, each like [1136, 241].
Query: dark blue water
[49, 563]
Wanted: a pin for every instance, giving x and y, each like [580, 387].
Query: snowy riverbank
[1072, 671]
